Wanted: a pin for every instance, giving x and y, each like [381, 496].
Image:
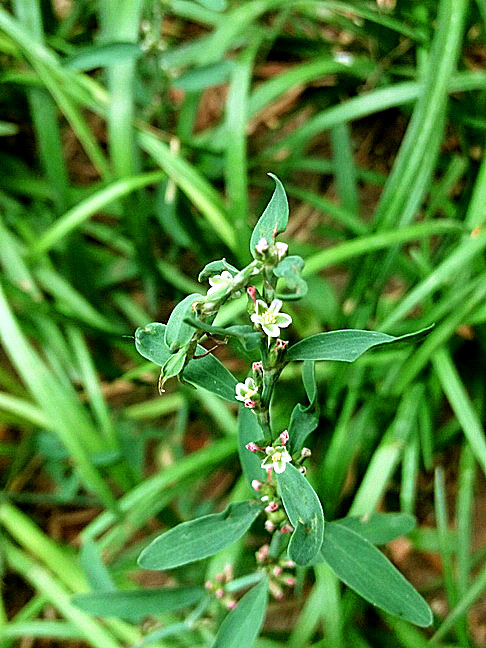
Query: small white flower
[282, 249]
[245, 391]
[344, 57]
[262, 246]
[276, 458]
[269, 317]
[219, 280]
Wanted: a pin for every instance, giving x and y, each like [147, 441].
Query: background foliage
[136, 141]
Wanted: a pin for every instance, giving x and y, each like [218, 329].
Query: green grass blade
[462, 407]
[100, 199]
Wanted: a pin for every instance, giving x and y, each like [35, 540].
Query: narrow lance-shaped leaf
[379, 528]
[177, 332]
[206, 372]
[137, 604]
[243, 624]
[304, 511]
[347, 345]
[274, 219]
[363, 568]
[200, 538]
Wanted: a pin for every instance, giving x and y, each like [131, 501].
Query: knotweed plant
[273, 460]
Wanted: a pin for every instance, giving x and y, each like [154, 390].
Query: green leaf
[274, 219]
[208, 372]
[289, 269]
[304, 511]
[136, 605]
[216, 267]
[96, 56]
[302, 423]
[249, 430]
[379, 528]
[304, 420]
[200, 538]
[346, 345]
[174, 365]
[245, 334]
[178, 332]
[243, 624]
[363, 568]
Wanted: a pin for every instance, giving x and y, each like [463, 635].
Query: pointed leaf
[249, 430]
[178, 332]
[304, 511]
[274, 219]
[208, 372]
[346, 345]
[363, 568]
[379, 528]
[200, 538]
[137, 604]
[243, 624]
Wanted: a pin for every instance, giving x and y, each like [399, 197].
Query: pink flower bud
[290, 581]
[219, 593]
[220, 577]
[252, 293]
[284, 437]
[269, 526]
[305, 452]
[208, 585]
[289, 563]
[257, 366]
[277, 571]
[250, 404]
[231, 604]
[287, 528]
[228, 572]
[275, 590]
[271, 507]
[281, 345]
[256, 484]
[252, 447]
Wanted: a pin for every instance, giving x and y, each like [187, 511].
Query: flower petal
[275, 306]
[283, 320]
[272, 330]
[260, 307]
[279, 466]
